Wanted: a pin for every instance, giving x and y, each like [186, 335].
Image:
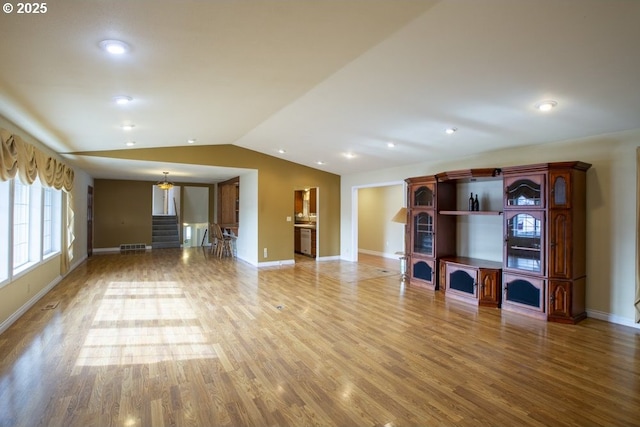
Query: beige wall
[611, 206]
[28, 288]
[277, 180]
[376, 233]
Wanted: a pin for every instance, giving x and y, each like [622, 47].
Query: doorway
[373, 206]
[306, 221]
[165, 202]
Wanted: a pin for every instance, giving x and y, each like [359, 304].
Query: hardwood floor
[172, 337]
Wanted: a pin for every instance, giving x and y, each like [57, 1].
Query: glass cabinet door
[423, 196]
[524, 241]
[423, 233]
[559, 189]
[524, 191]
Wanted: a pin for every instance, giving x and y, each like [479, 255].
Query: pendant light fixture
[165, 184]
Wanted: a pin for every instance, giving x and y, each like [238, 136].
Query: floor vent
[50, 306]
[133, 247]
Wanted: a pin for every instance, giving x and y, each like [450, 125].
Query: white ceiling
[319, 78]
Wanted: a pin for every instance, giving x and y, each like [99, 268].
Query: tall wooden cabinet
[543, 269]
[545, 238]
[426, 196]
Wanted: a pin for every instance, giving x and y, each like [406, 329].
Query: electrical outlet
[265, 252]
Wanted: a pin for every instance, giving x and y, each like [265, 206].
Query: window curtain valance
[18, 157]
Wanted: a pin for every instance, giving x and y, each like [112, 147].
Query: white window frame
[33, 232]
[36, 212]
[51, 222]
[5, 230]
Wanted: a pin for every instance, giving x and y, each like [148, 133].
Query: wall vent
[127, 247]
[50, 306]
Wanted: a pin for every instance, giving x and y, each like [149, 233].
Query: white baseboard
[76, 263]
[611, 318]
[380, 254]
[275, 263]
[328, 258]
[116, 249]
[102, 250]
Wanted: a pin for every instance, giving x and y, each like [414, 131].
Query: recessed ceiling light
[282, 151]
[349, 155]
[319, 162]
[191, 141]
[128, 127]
[130, 143]
[391, 144]
[122, 99]
[114, 47]
[450, 131]
[546, 105]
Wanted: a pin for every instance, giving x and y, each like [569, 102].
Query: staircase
[165, 232]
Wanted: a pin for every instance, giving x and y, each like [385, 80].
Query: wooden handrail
[175, 208]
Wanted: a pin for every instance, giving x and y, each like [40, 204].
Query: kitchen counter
[312, 226]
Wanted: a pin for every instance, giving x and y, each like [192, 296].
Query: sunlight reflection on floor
[125, 327]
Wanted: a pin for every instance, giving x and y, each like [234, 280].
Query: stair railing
[175, 208]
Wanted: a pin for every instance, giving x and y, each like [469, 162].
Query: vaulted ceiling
[330, 81]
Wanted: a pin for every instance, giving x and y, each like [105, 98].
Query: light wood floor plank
[182, 338]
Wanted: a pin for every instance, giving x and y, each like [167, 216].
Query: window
[5, 187]
[51, 221]
[27, 225]
[30, 224]
[20, 223]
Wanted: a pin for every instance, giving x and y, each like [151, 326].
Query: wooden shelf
[473, 262]
[470, 175]
[470, 212]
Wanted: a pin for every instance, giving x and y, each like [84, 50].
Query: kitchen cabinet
[296, 240]
[312, 201]
[229, 203]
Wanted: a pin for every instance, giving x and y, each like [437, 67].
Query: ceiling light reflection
[122, 99]
[114, 47]
[546, 105]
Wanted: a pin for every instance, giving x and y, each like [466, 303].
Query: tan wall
[122, 212]
[277, 180]
[376, 233]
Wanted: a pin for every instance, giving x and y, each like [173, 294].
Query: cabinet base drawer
[472, 280]
[525, 295]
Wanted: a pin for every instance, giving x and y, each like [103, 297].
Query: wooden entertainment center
[542, 211]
